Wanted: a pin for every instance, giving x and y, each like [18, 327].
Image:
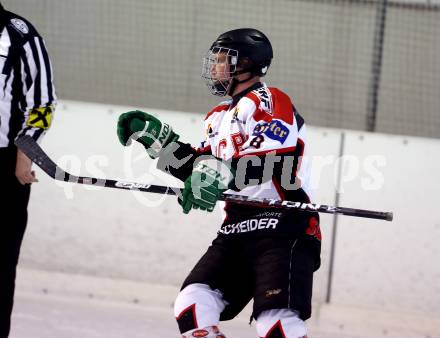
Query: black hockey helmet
[244, 50]
[251, 44]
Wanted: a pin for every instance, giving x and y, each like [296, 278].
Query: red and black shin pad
[187, 319]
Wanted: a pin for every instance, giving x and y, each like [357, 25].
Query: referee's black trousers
[13, 219]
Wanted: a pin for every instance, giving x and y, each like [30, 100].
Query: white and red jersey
[263, 121]
[254, 128]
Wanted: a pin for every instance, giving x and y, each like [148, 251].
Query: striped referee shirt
[27, 93]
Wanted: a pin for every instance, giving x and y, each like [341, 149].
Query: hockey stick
[32, 150]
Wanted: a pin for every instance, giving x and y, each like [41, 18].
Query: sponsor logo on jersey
[249, 225]
[40, 117]
[274, 130]
[210, 131]
[20, 25]
[270, 214]
[235, 118]
[265, 100]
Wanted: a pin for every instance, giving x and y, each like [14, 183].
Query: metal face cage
[219, 66]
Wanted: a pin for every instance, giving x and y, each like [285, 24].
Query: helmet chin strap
[235, 81]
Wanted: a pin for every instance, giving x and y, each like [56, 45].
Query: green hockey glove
[209, 179]
[147, 130]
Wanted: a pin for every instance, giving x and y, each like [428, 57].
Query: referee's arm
[38, 102]
[40, 98]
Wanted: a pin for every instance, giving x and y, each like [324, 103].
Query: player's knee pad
[280, 323]
[207, 332]
[198, 306]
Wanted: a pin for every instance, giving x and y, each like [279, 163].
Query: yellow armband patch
[40, 117]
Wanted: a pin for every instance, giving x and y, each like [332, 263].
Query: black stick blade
[32, 150]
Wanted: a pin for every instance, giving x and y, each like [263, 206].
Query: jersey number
[256, 141]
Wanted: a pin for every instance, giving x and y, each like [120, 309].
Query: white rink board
[392, 266]
[110, 233]
[324, 150]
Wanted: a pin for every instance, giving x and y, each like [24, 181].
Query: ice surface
[56, 305]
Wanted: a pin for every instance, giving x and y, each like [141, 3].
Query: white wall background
[114, 233]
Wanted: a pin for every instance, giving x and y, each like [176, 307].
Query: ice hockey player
[254, 145]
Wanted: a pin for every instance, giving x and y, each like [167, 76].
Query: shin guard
[280, 323]
[198, 307]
